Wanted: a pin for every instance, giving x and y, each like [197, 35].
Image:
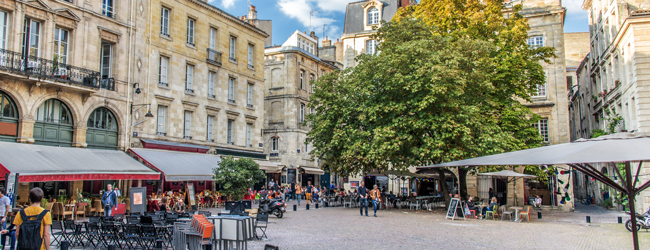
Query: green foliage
[44, 203]
[447, 85]
[608, 202]
[613, 120]
[597, 133]
[236, 176]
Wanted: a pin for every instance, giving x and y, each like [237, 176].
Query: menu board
[453, 207]
[190, 191]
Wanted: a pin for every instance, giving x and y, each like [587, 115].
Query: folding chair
[131, 235]
[93, 234]
[261, 223]
[58, 233]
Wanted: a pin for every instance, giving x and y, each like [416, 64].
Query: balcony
[44, 69]
[214, 57]
[249, 106]
[231, 101]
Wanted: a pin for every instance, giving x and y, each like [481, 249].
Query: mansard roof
[354, 14]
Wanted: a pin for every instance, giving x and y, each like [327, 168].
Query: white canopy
[509, 173]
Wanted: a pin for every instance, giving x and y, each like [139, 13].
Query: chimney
[326, 42]
[252, 13]
[404, 3]
[312, 34]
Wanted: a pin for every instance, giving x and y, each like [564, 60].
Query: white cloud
[574, 9]
[299, 9]
[228, 3]
[333, 5]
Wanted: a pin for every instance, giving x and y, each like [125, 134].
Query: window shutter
[190, 76]
[250, 55]
[230, 131]
[188, 123]
[210, 120]
[211, 83]
[213, 38]
[248, 135]
[250, 94]
[231, 89]
[232, 47]
[163, 69]
[161, 119]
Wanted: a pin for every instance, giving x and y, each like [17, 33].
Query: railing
[214, 57]
[249, 105]
[274, 154]
[47, 69]
[231, 101]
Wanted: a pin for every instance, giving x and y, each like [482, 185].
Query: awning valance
[37, 163]
[179, 166]
[174, 146]
[268, 167]
[310, 170]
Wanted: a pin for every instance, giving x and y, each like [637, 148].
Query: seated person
[538, 202]
[472, 206]
[163, 206]
[179, 206]
[489, 208]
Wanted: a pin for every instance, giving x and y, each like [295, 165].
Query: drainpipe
[127, 124]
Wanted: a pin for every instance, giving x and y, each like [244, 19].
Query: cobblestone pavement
[343, 228]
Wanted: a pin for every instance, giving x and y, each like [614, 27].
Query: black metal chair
[132, 235]
[73, 233]
[95, 219]
[205, 213]
[146, 220]
[110, 235]
[261, 223]
[58, 233]
[149, 236]
[171, 218]
[133, 219]
[93, 234]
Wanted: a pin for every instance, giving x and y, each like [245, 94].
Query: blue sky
[291, 15]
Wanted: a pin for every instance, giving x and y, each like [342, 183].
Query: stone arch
[110, 106]
[74, 110]
[18, 101]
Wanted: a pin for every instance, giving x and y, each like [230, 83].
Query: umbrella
[510, 174]
[619, 147]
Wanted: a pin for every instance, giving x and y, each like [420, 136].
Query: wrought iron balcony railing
[18, 63]
[214, 57]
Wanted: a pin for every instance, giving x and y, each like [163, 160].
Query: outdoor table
[240, 231]
[517, 212]
[73, 210]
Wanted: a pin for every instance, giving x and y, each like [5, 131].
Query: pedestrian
[308, 192]
[293, 189]
[27, 220]
[10, 231]
[363, 198]
[298, 192]
[375, 195]
[5, 208]
[109, 199]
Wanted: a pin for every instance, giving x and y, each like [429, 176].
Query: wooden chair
[50, 205]
[91, 210]
[526, 214]
[63, 211]
[505, 212]
[55, 210]
[81, 209]
[98, 207]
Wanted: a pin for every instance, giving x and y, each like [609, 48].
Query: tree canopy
[236, 176]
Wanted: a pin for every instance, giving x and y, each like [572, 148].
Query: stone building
[576, 46]
[616, 83]
[199, 71]
[290, 70]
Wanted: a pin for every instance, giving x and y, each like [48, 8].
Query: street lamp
[147, 115]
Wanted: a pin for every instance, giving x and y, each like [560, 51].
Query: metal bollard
[620, 220]
[65, 245]
[111, 247]
[539, 215]
[316, 205]
[307, 207]
[159, 244]
[295, 207]
[588, 219]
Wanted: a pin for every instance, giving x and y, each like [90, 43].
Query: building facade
[290, 71]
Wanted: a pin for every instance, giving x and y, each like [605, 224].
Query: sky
[291, 15]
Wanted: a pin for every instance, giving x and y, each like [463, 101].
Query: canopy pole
[636, 177]
[630, 197]
[598, 176]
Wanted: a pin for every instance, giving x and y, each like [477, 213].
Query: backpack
[30, 237]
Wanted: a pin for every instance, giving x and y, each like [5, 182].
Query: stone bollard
[111, 247]
[159, 244]
[65, 245]
[307, 207]
[588, 219]
[620, 220]
[539, 215]
[295, 207]
[316, 205]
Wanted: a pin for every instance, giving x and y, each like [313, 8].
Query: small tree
[235, 176]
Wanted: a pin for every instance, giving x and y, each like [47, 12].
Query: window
[302, 79]
[373, 16]
[3, 30]
[209, 134]
[164, 61]
[302, 112]
[371, 47]
[190, 31]
[107, 49]
[306, 45]
[162, 113]
[189, 77]
[7, 107]
[311, 82]
[102, 118]
[211, 80]
[231, 123]
[536, 41]
[233, 41]
[540, 91]
[54, 111]
[248, 135]
[107, 9]
[249, 96]
[231, 90]
[164, 22]
[31, 40]
[569, 82]
[250, 56]
[274, 144]
[60, 48]
[542, 126]
[306, 147]
[213, 39]
[187, 133]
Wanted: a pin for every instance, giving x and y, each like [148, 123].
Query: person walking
[5, 208]
[363, 198]
[109, 199]
[308, 192]
[298, 192]
[375, 195]
[293, 190]
[27, 220]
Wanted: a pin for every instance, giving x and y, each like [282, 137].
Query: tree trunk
[443, 186]
[462, 182]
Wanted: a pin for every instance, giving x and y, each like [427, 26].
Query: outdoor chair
[132, 219]
[171, 218]
[347, 200]
[92, 233]
[414, 203]
[504, 212]
[493, 212]
[73, 233]
[205, 213]
[261, 223]
[525, 214]
[55, 210]
[109, 234]
[149, 237]
[58, 233]
[132, 235]
[99, 209]
[81, 210]
[62, 211]
[95, 219]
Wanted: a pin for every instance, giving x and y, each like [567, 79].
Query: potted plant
[607, 203]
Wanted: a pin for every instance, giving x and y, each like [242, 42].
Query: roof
[48, 163]
[179, 166]
[154, 144]
[354, 14]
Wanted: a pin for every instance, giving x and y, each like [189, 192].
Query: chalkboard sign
[454, 205]
[190, 194]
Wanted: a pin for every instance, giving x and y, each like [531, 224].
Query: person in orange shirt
[298, 192]
[35, 197]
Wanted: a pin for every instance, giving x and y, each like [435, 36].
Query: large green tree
[447, 85]
[236, 176]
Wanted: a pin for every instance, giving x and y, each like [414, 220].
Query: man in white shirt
[5, 208]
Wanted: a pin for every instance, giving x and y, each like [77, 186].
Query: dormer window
[373, 16]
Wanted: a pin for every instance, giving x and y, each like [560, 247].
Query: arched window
[373, 16]
[102, 118]
[54, 111]
[7, 107]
